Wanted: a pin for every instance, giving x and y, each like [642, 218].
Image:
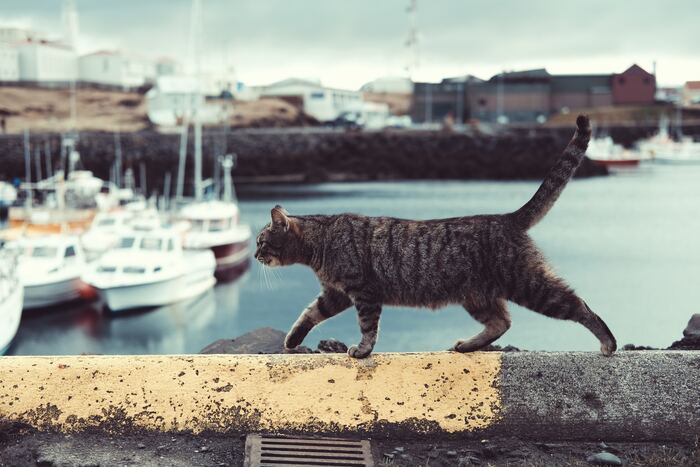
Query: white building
[13, 35]
[389, 84]
[113, 68]
[9, 63]
[173, 100]
[166, 66]
[322, 103]
[46, 62]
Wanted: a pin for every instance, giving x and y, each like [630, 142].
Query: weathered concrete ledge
[633, 396]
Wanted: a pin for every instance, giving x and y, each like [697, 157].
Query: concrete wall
[632, 396]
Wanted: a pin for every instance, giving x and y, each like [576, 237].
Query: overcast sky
[346, 43]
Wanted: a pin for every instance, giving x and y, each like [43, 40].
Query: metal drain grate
[270, 451]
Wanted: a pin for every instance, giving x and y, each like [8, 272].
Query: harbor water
[629, 244]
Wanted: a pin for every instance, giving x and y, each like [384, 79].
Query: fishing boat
[104, 230]
[11, 296]
[149, 268]
[214, 225]
[663, 149]
[604, 151]
[50, 268]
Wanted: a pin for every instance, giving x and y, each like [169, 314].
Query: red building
[634, 86]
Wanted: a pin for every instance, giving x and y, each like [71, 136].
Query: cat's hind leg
[496, 320]
[541, 291]
[328, 304]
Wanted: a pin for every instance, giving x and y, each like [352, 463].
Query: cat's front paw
[357, 352]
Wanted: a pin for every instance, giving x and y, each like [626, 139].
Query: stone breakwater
[317, 155]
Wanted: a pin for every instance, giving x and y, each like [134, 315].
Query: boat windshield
[126, 242]
[107, 222]
[197, 225]
[217, 225]
[42, 252]
[151, 244]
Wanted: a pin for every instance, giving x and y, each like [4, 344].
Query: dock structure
[633, 396]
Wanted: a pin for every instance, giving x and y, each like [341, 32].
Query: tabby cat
[478, 262]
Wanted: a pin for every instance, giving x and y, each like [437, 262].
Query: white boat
[149, 268]
[663, 149]
[11, 295]
[604, 151]
[50, 268]
[214, 225]
[104, 232]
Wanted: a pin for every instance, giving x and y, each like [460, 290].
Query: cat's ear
[280, 217]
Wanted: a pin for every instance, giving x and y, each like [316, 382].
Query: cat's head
[277, 243]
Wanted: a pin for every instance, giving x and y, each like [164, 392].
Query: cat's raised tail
[557, 178]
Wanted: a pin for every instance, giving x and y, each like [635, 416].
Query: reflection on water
[629, 244]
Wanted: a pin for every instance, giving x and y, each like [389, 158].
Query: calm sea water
[629, 244]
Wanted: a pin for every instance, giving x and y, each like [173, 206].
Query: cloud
[348, 42]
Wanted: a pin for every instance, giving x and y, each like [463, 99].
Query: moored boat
[604, 151]
[149, 268]
[49, 270]
[11, 295]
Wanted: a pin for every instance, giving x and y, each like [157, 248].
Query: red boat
[617, 162]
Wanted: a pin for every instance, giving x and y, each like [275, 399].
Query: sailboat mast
[196, 50]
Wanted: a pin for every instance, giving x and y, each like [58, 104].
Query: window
[318, 95]
[126, 242]
[646, 80]
[42, 252]
[134, 270]
[151, 244]
[621, 80]
[106, 269]
[171, 244]
[482, 102]
[106, 222]
[70, 252]
[217, 225]
[197, 225]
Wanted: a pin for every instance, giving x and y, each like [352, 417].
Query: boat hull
[154, 295]
[10, 316]
[617, 163]
[45, 295]
[231, 259]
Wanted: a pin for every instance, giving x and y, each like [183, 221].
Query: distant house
[321, 102]
[46, 62]
[573, 92]
[519, 96]
[9, 62]
[530, 95]
[634, 86]
[432, 102]
[176, 99]
[113, 68]
[691, 93]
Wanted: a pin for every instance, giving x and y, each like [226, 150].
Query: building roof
[463, 79]
[635, 69]
[534, 73]
[103, 52]
[694, 85]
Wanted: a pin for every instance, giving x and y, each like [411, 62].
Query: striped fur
[479, 262]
